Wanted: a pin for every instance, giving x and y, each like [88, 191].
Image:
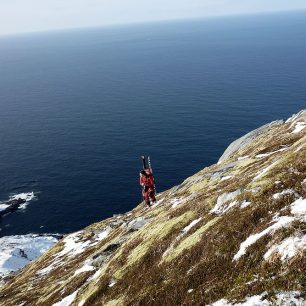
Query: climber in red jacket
[147, 183]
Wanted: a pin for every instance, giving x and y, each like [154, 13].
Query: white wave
[3, 206]
[27, 196]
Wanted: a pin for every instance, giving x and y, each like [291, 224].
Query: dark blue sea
[78, 108]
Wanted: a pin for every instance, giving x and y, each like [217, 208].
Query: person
[147, 183]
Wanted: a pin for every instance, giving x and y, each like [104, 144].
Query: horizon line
[135, 23]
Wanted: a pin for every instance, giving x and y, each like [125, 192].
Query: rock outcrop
[243, 141]
[233, 233]
[15, 202]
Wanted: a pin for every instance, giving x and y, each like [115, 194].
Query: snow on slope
[299, 127]
[280, 222]
[67, 300]
[249, 195]
[264, 171]
[17, 251]
[74, 246]
[291, 298]
[224, 198]
[298, 209]
[288, 248]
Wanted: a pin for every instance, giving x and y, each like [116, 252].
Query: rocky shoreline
[18, 250]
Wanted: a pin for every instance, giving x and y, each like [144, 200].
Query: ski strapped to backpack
[150, 167]
[143, 162]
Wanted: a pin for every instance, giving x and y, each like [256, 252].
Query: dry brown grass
[144, 277]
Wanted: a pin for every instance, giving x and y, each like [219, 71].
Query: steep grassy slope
[234, 230]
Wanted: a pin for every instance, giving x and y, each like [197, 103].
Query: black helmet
[142, 172]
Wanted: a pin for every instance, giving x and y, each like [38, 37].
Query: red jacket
[148, 180]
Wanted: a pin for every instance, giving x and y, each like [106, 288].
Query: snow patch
[220, 208]
[112, 283]
[264, 171]
[299, 148]
[102, 235]
[73, 246]
[191, 225]
[294, 117]
[299, 127]
[279, 195]
[18, 251]
[86, 268]
[282, 298]
[184, 231]
[176, 201]
[67, 300]
[231, 205]
[270, 153]
[245, 204]
[298, 208]
[225, 178]
[95, 276]
[290, 298]
[255, 300]
[254, 190]
[243, 157]
[287, 248]
[157, 203]
[48, 269]
[283, 221]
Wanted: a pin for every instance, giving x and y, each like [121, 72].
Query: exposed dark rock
[13, 205]
[112, 247]
[100, 258]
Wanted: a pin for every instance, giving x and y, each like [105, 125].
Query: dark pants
[149, 194]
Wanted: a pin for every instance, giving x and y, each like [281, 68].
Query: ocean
[78, 108]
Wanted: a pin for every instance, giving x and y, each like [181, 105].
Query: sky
[18, 16]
